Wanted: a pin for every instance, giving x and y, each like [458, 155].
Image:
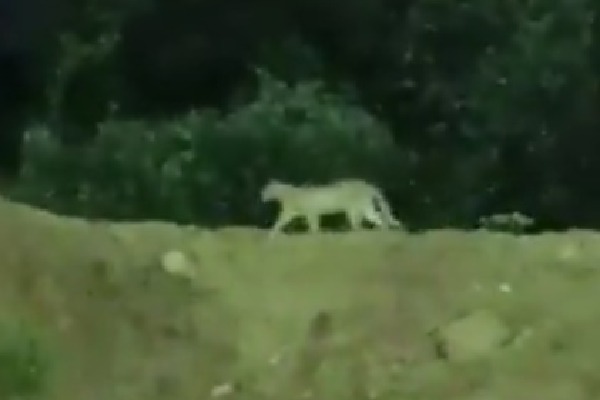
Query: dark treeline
[496, 100]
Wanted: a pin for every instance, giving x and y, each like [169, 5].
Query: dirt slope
[332, 316]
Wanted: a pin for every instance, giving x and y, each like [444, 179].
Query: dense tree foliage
[207, 166]
[474, 107]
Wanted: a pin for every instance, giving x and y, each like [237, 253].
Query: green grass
[23, 360]
[339, 315]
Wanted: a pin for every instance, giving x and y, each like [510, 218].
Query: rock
[473, 336]
[176, 263]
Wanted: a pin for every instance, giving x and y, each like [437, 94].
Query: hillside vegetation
[328, 316]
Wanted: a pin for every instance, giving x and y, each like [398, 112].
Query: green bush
[23, 367]
[207, 167]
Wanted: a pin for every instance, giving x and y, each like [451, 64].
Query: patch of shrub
[23, 365]
[207, 167]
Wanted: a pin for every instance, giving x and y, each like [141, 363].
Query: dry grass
[332, 316]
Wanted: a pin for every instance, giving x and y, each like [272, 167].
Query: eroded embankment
[336, 315]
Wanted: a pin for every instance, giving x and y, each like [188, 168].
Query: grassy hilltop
[329, 316]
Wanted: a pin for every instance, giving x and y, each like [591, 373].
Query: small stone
[176, 263]
[505, 287]
[471, 337]
[221, 390]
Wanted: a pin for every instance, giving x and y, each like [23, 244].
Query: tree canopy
[469, 107]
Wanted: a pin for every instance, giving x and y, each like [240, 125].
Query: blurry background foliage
[182, 110]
